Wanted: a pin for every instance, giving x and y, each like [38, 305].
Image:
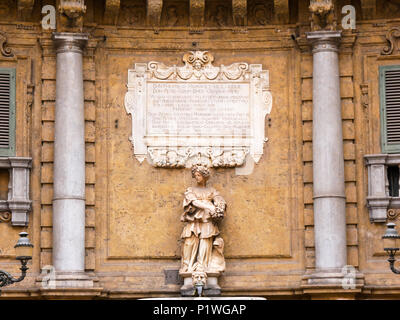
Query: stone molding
[18, 202]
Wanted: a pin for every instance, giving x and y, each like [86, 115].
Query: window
[7, 112]
[389, 79]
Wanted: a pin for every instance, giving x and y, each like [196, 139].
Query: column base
[333, 283]
[211, 289]
[68, 285]
[73, 280]
[66, 280]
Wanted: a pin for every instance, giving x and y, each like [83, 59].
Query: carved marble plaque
[198, 113]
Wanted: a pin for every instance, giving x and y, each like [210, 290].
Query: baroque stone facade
[73, 129]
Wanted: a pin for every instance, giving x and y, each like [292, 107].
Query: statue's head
[200, 171]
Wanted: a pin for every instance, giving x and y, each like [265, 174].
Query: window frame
[10, 151]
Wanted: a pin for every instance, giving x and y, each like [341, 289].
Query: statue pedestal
[211, 289]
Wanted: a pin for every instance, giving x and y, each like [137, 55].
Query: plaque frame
[179, 151]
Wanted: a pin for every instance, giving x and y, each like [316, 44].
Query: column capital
[323, 41]
[69, 42]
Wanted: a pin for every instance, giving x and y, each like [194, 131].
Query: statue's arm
[205, 205]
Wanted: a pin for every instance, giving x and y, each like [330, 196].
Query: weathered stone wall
[133, 210]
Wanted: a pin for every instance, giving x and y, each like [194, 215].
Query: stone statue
[262, 14]
[220, 18]
[202, 248]
[172, 16]
[323, 15]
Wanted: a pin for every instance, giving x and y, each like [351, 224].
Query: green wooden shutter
[7, 112]
[389, 80]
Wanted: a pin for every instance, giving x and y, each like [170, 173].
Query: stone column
[69, 163]
[328, 160]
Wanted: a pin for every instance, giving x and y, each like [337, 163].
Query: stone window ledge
[18, 202]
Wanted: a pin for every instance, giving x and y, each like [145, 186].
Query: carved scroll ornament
[392, 214]
[198, 113]
[5, 50]
[393, 38]
[5, 216]
[198, 65]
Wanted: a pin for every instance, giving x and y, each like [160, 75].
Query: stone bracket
[197, 9]
[111, 11]
[5, 50]
[239, 13]
[18, 202]
[154, 9]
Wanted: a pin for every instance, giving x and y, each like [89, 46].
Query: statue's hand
[212, 210]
